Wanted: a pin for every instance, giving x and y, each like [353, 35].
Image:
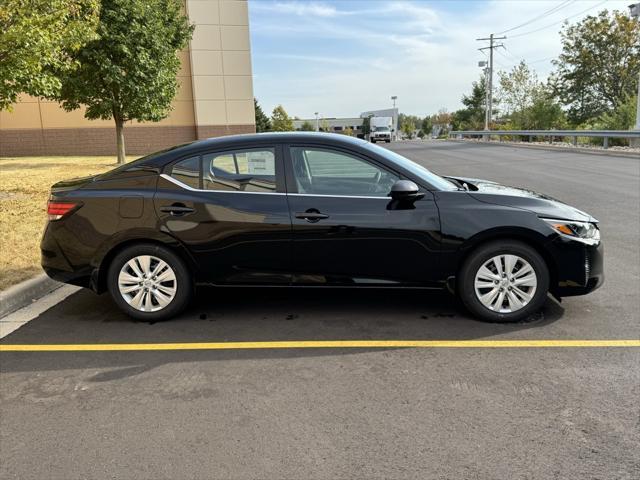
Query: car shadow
[248, 314]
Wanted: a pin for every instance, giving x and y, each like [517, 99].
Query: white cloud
[426, 54]
[316, 9]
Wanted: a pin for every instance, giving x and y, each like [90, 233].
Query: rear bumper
[580, 267]
[57, 266]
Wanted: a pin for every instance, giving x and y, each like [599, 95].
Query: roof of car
[315, 137]
[238, 141]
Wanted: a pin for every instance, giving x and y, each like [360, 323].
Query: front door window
[328, 172]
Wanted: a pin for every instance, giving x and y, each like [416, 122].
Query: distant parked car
[312, 210]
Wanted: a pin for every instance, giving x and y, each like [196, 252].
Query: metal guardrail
[574, 134]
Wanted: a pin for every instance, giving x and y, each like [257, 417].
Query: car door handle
[311, 215]
[177, 209]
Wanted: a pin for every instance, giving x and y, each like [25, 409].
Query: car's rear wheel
[504, 281]
[149, 282]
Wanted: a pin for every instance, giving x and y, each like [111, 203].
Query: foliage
[623, 117]
[472, 117]
[39, 38]
[408, 127]
[544, 114]
[263, 124]
[280, 120]
[598, 66]
[366, 125]
[421, 134]
[348, 131]
[527, 103]
[412, 119]
[129, 71]
[307, 126]
[519, 89]
[426, 125]
[324, 126]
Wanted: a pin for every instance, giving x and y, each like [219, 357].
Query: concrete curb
[590, 151]
[22, 294]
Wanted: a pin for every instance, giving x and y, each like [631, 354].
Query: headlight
[585, 232]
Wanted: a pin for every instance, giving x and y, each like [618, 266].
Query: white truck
[380, 129]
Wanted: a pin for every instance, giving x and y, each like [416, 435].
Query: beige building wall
[215, 97]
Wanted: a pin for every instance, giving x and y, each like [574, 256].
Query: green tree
[280, 120]
[37, 39]
[408, 127]
[442, 121]
[307, 126]
[366, 125]
[623, 117]
[544, 114]
[472, 116]
[598, 66]
[426, 126]
[348, 131]
[129, 71]
[324, 126]
[263, 124]
[519, 90]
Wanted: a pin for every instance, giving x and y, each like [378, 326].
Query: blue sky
[345, 56]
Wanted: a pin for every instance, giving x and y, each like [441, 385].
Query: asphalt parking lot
[320, 413]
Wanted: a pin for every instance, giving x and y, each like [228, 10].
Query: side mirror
[405, 190]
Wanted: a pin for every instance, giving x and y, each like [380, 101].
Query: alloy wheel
[505, 283]
[147, 283]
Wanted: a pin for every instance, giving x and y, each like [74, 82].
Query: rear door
[346, 229]
[229, 208]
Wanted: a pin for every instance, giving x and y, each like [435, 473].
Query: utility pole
[489, 108]
[634, 11]
[317, 126]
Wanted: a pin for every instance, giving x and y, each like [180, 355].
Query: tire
[387, 141]
[175, 277]
[531, 290]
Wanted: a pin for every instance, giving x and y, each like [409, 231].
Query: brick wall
[102, 141]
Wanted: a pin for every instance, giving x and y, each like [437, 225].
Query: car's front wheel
[504, 281]
[149, 282]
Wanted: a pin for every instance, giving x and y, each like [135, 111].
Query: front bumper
[579, 267]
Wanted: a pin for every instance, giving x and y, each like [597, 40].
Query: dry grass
[24, 190]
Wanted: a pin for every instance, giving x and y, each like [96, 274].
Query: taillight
[57, 210]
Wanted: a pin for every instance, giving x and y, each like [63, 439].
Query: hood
[542, 205]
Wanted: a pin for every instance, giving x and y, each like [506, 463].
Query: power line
[561, 21]
[555, 9]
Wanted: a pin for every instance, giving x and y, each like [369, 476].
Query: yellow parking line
[97, 347]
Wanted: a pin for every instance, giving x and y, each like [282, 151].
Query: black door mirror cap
[406, 190]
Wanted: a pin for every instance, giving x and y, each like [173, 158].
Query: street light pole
[395, 118]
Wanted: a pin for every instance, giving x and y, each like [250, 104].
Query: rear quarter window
[187, 171]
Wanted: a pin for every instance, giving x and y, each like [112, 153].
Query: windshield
[418, 170]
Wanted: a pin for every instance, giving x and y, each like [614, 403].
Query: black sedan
[312, 210]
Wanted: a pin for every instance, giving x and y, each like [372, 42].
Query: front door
[230, 210]
[346, 229]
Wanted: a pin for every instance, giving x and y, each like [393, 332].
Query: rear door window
[241, 170]
[249, 170]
